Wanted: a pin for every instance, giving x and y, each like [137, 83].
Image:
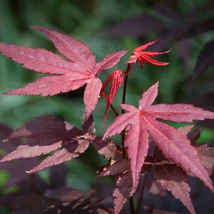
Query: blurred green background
[88, 20]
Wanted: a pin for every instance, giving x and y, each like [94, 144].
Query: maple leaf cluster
[174, 154]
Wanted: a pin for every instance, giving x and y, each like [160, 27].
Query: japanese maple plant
[151, 151]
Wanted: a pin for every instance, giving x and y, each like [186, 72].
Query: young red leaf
[174, 179]
[117, 80]
[173, 144]
[66, 75]
[141, 56]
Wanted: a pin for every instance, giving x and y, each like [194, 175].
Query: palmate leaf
[80, 68]
[46, 134]
[173, 144]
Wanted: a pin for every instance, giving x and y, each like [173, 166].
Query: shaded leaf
[173, 178]
[154, 187]
[63, 193]
[118, 167]
[123, 191]
[69, 151]
[45, 134]
[32, 204]
[107, 148]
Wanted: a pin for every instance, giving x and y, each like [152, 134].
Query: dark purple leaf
[119, 167]
[123, 191]
[173, 178]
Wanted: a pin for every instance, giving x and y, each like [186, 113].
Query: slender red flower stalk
[141, 56]
[117, 80]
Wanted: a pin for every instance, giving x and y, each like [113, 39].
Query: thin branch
[128, 69]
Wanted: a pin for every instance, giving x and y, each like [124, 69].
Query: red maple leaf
[80, 68]
[141, 56]
[173, 144]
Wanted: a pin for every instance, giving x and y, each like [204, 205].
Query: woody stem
[128, 69]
